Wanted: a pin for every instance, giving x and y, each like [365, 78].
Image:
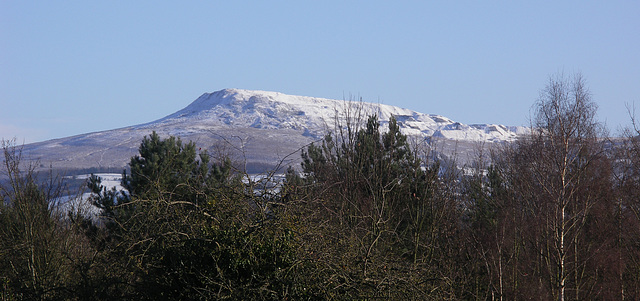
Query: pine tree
[187, 229]
[373, 204]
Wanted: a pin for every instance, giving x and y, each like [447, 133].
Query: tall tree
[556, 172]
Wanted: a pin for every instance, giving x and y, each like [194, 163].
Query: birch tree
[555, 175]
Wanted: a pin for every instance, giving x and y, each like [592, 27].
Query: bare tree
[628, 188]
[31, 234]
[555, 170]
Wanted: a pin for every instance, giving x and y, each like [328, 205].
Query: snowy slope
[259, 127]
[273, 110]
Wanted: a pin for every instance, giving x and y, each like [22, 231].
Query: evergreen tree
[373, 210]
[186, 229]
[169, 169]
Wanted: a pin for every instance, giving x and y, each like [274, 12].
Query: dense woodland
[369, 214]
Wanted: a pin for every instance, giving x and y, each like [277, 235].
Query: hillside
[260, 128]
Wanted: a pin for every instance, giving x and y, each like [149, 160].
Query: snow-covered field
[108, 180]
[81, 203]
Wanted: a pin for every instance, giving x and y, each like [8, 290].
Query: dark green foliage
[485, 195]
[376, 212]
[168, 169]
[185, 229]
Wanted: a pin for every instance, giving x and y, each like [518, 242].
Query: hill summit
[274, 110]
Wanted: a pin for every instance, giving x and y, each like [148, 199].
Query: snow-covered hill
[258, 127]
[273, 110]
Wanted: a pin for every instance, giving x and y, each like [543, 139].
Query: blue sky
[71, 67]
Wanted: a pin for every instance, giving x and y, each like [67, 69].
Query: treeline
[368, 215]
